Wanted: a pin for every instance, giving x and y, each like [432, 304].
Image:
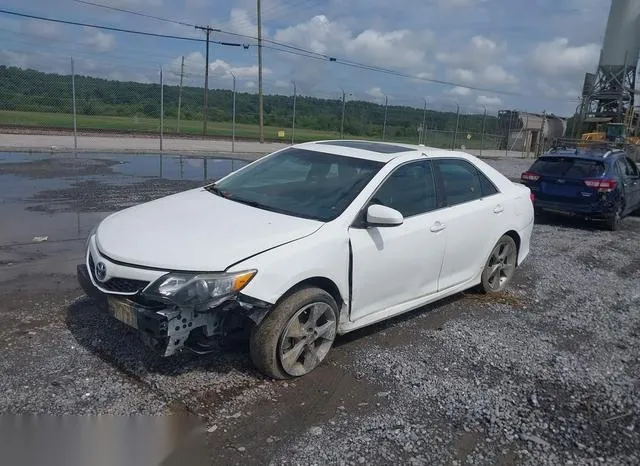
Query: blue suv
[593, 184]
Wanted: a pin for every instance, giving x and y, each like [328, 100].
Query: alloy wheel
[307, 338]
[501, 265]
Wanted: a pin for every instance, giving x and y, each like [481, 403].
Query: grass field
[129, 124]
[152, 125]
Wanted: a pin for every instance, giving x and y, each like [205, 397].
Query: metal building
[610, 94]
[529, 132]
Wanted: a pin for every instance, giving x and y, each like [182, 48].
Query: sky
[524, 54]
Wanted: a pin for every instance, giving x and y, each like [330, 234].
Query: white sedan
[306, 243]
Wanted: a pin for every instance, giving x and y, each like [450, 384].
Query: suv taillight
[532, 197]
[529, 176]
[605, 186]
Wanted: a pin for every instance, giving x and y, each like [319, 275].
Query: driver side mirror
[383, 216]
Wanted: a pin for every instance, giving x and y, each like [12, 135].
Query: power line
[96, 26]
[115, 29]
[290, 49]
[311, 54]
[144, 15]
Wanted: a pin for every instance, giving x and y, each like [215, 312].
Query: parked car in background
[595, 184]
[312, 241]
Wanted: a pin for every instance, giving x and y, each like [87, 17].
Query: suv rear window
[568, 167]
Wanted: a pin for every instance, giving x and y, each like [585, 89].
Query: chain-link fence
[167, 104]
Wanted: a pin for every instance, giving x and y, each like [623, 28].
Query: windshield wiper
[212, 188]
[277, 210]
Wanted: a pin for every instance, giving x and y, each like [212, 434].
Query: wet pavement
[381, 398]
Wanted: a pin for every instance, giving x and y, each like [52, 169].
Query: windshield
[568, 167]
[300, 182]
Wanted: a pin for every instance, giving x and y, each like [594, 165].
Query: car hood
[196, 231]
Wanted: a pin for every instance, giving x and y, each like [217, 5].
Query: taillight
[530, 176]
[605, 186]
[532, 197]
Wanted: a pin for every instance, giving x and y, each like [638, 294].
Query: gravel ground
[545, 373]
[550, 378]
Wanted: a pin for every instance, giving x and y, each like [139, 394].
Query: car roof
[378, 150]
[582, 153]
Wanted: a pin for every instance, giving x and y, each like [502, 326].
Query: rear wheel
[500, 267]
[615, 221]
[296, 336]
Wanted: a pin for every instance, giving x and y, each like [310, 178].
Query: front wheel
[500, 267]
[296, 336]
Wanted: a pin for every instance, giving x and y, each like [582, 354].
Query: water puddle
[62, 196]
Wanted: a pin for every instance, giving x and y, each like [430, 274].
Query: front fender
[320, 255]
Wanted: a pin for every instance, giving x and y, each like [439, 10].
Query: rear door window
[631, 169]
[460, 181]
[568, 167]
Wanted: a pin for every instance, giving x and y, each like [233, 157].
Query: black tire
[487, 281]
[615, 221]
[265, 339]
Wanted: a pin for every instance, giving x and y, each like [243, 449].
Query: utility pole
[180, 91]
[424, 120]
[455, 133]
[260, 97]
[161, 109]
[73, 93]
[208, 30]
[384, 125]
[293, 121]
[233, 123]
[344, 101]
[484, 120]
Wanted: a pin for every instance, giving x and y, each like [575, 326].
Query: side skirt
[346, 326]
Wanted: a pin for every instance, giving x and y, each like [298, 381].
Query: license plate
[124, 312]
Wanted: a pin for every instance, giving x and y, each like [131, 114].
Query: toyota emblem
[101, 271]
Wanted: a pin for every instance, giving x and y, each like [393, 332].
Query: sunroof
[367, 145]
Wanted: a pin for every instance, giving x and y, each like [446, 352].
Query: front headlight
[202, 290]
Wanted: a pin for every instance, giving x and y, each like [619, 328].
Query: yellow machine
[614, 132]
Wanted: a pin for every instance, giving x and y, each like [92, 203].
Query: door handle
[436, 227]
[498, 209]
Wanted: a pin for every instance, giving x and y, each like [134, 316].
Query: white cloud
[483, 43]
[496, 74]
[129, 3]
[557, 57]
[476, 54]
[400, 48]
[40, 29]
[223, 69]
[426, 75]
[376, 93]
[459, 91]
[100, 41]
[492, 75]
[241, 22]
[194, 64]
[454, 4]
[391, 48]
[477, 63]
[462, 75]
[9, 58]
[250, 85]
[488, 101]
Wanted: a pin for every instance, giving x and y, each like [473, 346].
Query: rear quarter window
[569, 167]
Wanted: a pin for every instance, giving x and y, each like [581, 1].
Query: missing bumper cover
[166, 329]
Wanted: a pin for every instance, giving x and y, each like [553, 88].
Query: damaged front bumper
[167, 329]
